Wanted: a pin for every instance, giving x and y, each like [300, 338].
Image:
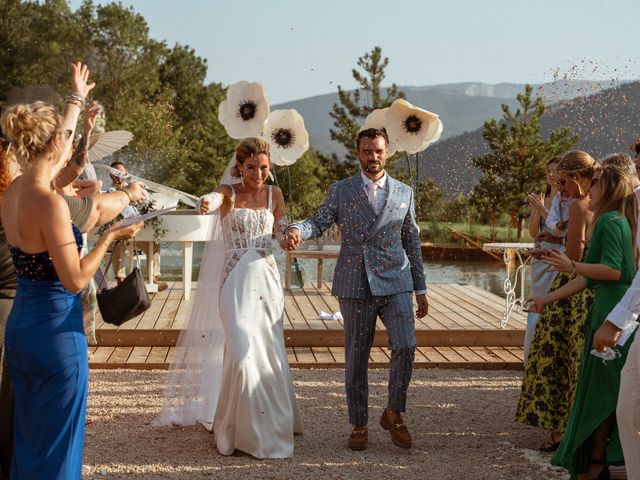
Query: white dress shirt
[378, 196]
[625, 314]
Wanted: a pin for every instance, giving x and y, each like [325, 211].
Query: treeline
[156, 91]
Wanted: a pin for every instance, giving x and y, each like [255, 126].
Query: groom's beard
[377, 167]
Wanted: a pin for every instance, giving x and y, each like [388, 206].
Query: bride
[231, 372]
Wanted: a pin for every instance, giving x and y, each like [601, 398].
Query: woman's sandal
[550, 445]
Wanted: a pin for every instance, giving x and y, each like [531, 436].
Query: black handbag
[124, 301]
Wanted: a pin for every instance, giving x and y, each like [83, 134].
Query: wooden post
[287, 270]
[319, 279]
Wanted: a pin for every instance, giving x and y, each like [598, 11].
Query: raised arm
[75, 103]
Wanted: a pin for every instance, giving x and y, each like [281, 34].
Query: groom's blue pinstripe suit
[379, 266]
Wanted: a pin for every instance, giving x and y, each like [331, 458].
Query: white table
[509, 251]
[185, 226]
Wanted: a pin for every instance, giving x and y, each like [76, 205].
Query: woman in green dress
[591, 442]
[551, 371]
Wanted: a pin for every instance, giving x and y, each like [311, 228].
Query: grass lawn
[440, 232]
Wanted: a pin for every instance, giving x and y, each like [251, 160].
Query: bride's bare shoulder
[224, 189]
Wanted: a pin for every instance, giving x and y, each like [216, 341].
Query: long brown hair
[616, 193]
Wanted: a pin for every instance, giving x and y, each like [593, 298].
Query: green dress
[598, 383]
[551, 371]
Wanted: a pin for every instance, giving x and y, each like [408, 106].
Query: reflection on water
[488, 275]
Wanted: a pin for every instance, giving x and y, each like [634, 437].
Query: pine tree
[519, 154]
[355, 106]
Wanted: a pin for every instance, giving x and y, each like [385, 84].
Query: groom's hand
[291, 239]
[423, 306]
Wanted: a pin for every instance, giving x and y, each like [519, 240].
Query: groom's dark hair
[372, 133]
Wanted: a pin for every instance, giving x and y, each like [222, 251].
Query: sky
[303, 48]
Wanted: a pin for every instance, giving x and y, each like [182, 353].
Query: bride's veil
[193, 382]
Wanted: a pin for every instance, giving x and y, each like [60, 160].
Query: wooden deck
[462, 330]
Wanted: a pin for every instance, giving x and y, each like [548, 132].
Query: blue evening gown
[46, 358]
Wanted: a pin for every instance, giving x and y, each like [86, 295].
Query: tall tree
[354, 106]
[517, 161]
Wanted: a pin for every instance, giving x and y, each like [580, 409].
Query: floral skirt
[551, 372]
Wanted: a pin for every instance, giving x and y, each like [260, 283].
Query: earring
[242, 178]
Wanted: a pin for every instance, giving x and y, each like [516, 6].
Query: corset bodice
[38, 266]
[245, 228]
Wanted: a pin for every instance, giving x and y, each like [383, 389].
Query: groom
[378, 270]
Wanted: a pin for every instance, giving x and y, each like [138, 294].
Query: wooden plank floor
[473, 358]
[462, 330]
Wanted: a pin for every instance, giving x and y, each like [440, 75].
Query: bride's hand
[205, 204]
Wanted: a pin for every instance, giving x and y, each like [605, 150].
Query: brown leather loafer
[392, 421]
[359, 438]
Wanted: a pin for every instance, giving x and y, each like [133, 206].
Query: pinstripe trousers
[396, 313]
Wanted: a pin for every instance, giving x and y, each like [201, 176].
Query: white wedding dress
[231, 372]
[257, 410]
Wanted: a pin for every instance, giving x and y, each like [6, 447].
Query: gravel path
[461, 421]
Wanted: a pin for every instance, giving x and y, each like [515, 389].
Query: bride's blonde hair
[247, 148]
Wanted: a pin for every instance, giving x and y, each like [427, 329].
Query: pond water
[488, 275]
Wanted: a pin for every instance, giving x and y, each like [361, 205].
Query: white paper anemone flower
[411, 129]
[287, 137]
[245, 110]
[376, 120]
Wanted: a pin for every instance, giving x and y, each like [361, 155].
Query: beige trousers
[118, 257]
[628, 411]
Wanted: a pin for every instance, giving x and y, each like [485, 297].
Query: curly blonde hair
[30, 128]
[247, 148]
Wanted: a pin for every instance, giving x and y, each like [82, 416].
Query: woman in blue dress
[45, 345]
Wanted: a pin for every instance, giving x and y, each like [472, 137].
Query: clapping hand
[558, 260]
[90, 118]
[537, 201]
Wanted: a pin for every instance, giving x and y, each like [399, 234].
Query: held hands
[291, 239]
[79, 77]
[606, 336]
[423, 306]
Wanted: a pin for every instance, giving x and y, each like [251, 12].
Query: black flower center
[247, 110]
[283, 137]
[412, 124]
